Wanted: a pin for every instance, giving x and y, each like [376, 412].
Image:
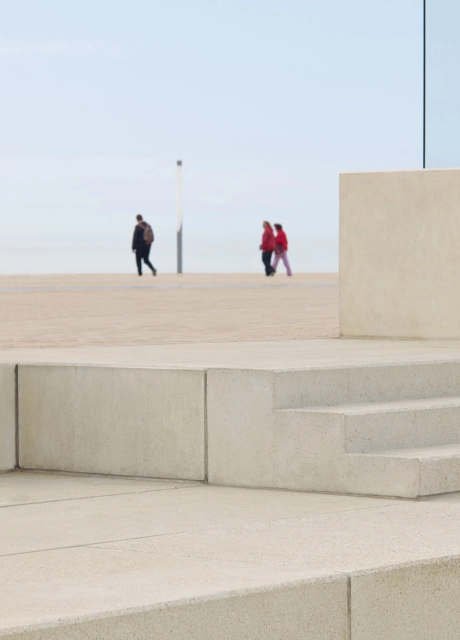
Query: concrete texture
[356, 417]
[137, 422]
[399, 259]
[250, 444]
[374, 382]
[400, 424]
[416, 601]
[366, 429]
[76, 522]
[106, 594]
[23, 488]
[220, 563]
[7, 417]
[349, 541]
[268, 355]
[358, 428]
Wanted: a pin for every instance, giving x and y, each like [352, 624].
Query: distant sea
[223, 255]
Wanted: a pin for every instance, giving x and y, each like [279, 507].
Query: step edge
[385, 406]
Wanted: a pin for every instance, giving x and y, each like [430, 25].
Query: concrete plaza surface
[182, 386]
[96, 557]
[110, 310]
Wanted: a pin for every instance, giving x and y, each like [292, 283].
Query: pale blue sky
[265, 102]
[443, 86]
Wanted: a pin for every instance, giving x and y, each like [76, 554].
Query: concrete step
[374, 426]
[383, 382]
[414, 472]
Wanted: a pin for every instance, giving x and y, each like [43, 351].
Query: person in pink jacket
[281, 247]
[267, 247]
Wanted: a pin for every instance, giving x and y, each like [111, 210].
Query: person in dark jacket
[281, 248]
[267, 247]
[142, 241]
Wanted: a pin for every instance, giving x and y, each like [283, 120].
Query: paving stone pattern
[117, 310]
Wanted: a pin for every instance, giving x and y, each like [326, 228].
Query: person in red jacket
[267, 247]
[281, 247]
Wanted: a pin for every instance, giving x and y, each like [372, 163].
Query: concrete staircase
[388, 429]
[404, 440]
[399, 448]
[378, 429]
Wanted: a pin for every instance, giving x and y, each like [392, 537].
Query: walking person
[281, 247]
[142, 241]
[267, 247]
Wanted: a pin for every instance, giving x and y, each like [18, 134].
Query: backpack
[148, 234]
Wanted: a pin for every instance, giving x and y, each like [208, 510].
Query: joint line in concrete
[348, 608]
[205, 410]
[16, 415]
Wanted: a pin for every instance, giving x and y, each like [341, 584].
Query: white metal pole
[179, 216]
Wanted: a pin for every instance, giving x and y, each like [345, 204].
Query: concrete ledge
[119, 421]
[418, 600]
[346, 429]
[7, 417]
[218, 563]
[313, 609]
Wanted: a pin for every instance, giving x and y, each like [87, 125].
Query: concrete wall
[250, 444]
[121, 421]
[7, 417]
[400, 254]
[298, 430]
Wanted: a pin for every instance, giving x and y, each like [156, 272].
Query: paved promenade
[118, 310]
[98, 557]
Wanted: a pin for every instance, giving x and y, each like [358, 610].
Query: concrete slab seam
[314, 491]
[16, 415]
[102, 495]
[88, 474]
[205, 427]
[113, 475]
[419, 562]
[89, 545]
[348, 607]
[419, 481]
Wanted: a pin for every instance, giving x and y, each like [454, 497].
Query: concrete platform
[268, 354]
[92, 557]
[133, 558]
[107, 557]
[359, 417]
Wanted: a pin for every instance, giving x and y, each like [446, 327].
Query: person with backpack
[142, 241]
[281, 247]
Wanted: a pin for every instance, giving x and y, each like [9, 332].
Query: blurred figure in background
[267, 247]
[142, 241]
[281, 247]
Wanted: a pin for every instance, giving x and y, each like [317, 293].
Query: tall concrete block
[7, 417]
[122, 421]
[399, 254]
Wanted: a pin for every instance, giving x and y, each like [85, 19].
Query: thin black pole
[424, 84]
